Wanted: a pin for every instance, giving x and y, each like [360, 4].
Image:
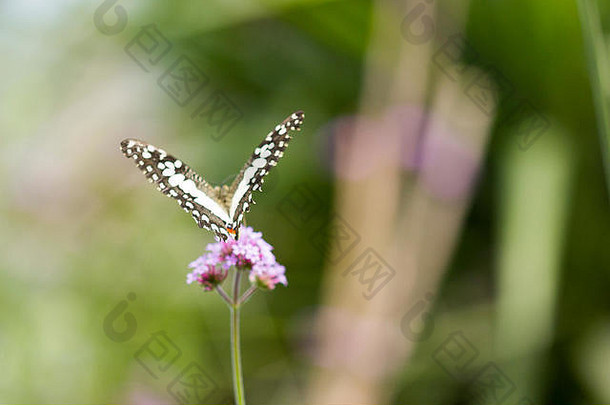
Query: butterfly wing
[178, 181]
[264, 158]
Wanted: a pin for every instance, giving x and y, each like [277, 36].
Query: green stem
[238, 380]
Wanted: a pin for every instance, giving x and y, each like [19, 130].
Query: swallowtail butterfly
[219, 209]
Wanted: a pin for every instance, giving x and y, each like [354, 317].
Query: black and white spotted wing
[175, 179]
[264, 158]
[220, 210]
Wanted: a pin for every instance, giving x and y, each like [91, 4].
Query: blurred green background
[81, 229]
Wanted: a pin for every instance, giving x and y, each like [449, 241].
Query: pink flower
[250, 253]
[208, 276]
[269, 278]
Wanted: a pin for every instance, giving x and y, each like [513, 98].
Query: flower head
[250, 253]
[210, 276]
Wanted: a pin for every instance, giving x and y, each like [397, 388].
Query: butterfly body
[220, 209]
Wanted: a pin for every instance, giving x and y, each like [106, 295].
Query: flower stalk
[238, 379]
[224, 296]
[244, 298]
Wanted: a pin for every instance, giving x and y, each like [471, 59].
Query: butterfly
[220, 209]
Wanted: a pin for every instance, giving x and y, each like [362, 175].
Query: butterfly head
[232, 232]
